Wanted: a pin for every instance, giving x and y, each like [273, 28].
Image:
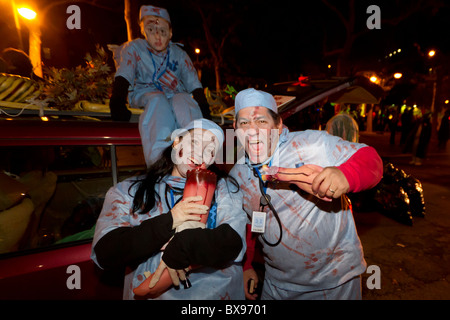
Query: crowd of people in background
[410, 127]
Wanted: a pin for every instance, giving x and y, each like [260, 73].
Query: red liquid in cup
[201, 182]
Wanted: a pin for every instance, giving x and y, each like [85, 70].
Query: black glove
[117, 104]
[119, 110]
[199, 96]
[205, 247]
[129, 246]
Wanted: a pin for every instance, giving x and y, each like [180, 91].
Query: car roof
[308, 91]
[29, 132]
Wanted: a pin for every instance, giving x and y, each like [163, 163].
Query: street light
[433, 73]
[27, 13]
[34, 50]
[199, 70]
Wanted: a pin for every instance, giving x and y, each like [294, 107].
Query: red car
[53, 178]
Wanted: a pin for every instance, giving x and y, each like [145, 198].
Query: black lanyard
[265, 200]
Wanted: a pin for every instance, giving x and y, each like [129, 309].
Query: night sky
[272, 40]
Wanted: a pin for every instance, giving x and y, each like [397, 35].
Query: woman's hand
[175, 275]
[187, 210]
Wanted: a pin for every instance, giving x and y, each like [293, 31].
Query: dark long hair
[146, 198]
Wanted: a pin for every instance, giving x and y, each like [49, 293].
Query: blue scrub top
[170, 72]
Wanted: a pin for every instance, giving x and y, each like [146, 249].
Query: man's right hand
[250, 275]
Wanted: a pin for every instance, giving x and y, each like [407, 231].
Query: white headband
[201, 124]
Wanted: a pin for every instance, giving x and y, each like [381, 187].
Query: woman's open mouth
[194, 163]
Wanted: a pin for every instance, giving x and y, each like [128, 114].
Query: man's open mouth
[255, 146]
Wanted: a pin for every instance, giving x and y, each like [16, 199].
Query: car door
[54, 178]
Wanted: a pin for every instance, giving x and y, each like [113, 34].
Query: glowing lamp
[27, 13]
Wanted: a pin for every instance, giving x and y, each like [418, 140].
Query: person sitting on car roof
[156, 74]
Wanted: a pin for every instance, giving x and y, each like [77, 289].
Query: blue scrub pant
[161, 117]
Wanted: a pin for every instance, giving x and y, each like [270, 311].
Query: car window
[54, 194]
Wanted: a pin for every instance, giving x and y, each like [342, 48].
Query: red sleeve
[363, 170]
[250, 252]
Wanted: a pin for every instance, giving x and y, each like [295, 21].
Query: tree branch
[339, 13]
[227, 35]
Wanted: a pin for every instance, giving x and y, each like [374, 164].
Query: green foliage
[93, 82]
[231, 91]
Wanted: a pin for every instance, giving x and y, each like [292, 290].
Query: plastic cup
[201, 182]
